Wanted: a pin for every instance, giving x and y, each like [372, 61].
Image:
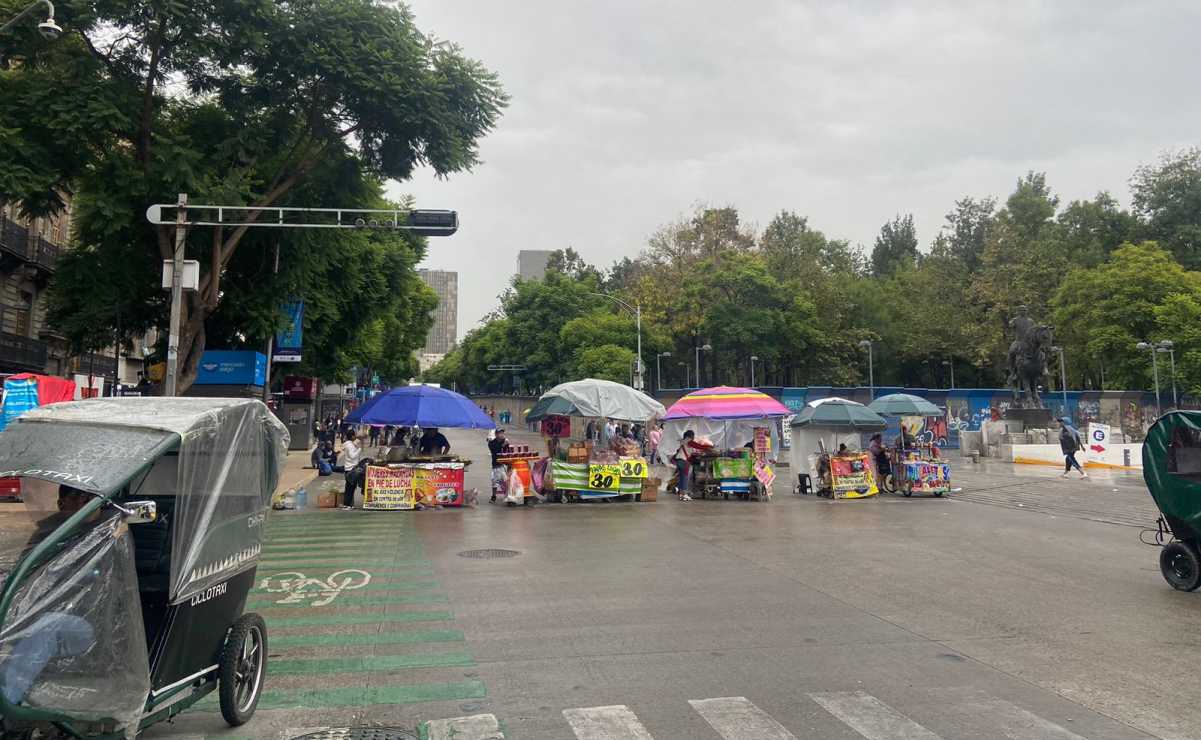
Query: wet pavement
[1023, 606]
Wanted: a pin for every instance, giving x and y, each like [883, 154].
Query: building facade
[531, 263]
[444, 333]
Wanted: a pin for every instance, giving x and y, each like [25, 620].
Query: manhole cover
[489, 553]
[359, 733]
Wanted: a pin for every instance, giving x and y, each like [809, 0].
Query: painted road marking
[1014, 722]
[361, 696]
[297, 587]
[368, 663]
[736, 718]
[374, 638]
[871, 717]
[605, 723]
[358, 618]
[475, 727]
[368, 600]
[391, 584]
[347, 562]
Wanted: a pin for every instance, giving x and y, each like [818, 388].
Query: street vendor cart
[827, 453]
[583, 471]
[401, 479]
[742, 428]
[913, 468]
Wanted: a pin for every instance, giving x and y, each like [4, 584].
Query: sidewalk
[297, 472]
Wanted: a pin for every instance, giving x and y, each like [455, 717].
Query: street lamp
[951, 364]
[1147, 346]
[687, 377]
[871, 371]
[48, 28]
[1063, 378]
[753, 358]
[637, 311]
[705, 347]
[659, 368]
[1167, 346]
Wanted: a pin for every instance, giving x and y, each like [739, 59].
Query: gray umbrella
[839, 413]
[904, 404]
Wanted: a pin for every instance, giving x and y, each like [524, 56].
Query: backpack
[324, 468]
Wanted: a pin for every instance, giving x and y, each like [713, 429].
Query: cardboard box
[650, 489]
[577, 453]
[327, 500]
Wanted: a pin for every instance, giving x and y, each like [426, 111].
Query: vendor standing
[434, 442]
[496, 446]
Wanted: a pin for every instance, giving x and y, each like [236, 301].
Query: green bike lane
[359, 631]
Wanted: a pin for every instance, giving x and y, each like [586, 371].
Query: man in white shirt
[351, 452]
[610, 431]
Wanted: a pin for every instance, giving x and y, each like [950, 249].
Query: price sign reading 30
[604, 477]
[633, 467]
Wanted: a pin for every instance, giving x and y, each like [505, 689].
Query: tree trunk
[191, 348]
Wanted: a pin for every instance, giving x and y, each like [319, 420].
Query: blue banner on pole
[288, 342]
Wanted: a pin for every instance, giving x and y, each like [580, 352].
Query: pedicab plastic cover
[1177, 494]
[73, 640]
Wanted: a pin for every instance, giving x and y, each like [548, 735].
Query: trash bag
[516, 489]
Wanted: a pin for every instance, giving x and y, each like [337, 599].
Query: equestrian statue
[1027, 359]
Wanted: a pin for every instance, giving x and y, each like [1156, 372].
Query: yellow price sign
[604, 477]
[634, 467]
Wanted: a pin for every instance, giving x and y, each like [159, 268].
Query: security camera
[49, 29]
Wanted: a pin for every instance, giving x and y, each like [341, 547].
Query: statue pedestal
[1029, 418]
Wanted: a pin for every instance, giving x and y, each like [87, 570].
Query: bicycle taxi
[126, 604]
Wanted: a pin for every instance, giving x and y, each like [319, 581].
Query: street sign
[422, 221]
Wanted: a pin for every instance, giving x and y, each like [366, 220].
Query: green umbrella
[839, 413]
[550, 406]
[904, 404]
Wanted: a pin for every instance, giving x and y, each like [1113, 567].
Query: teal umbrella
[839, 413]
[550, 406]
[904, 404]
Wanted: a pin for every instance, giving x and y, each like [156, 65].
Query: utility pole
[181, 218]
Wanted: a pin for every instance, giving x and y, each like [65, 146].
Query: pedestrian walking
[655, 435]
[683, 463]
[1070, 442]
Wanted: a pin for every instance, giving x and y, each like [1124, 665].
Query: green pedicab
[1172, 472]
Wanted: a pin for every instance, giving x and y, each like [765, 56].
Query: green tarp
[1172, 470]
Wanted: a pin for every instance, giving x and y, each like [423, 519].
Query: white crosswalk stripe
[475, 727]
[736, 718]
[605, 723]
[1014, 722]
[871, 717]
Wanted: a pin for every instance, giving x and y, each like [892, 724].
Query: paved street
[1023, 607]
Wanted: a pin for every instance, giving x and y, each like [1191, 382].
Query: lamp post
[659, 369]
[705, 347]
[1063, 378]
[687, 378]
[951, 364]
[753, 358]
[1147, 346]
[636, 309]
[871, 371]
[1167, 346]
[48, 28]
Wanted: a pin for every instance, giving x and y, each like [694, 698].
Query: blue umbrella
[421, 405]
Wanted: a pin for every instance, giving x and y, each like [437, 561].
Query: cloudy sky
[626, 114]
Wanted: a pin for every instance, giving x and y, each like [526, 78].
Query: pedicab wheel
[937, 494]
[1181, 566]
[241, 670]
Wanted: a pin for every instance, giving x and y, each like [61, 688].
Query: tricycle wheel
[1181, 566]
[937, 494]
[242, 668]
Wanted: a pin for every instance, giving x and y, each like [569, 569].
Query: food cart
[913, 468]
[742, 428]
[583, 471]
[403, 480]
[827, 452]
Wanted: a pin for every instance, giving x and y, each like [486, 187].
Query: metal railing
[23, 352]
[16, 240]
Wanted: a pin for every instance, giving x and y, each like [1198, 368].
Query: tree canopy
[239, 102]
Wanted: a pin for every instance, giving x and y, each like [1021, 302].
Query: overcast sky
[625, 114]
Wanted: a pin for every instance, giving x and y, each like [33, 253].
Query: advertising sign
[85, 390]
[1097, 441]
[556, 426]
[225, 367]
[762, 441]
[438, 484]
[297, 388]
[732, 467]
[289, 341]
[852, 477]
[604, 477]
[388, 489]
[634, 467]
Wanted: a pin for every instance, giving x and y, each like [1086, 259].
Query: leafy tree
[242, 102]
[569, 262]
[1168, 197]
[966, 231]
[896, 246]
[1139, 294]
[1092, 229]
[606, 362]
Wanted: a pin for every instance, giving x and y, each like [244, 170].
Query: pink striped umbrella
[724, 402]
